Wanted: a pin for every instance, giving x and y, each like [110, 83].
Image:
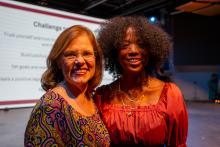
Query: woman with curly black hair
[137, 108]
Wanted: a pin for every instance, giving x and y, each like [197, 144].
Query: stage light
[153, 19]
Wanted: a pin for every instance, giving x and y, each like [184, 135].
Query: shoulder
[106, 89]
[175, 98]
[50, 106]
[46, 115]
[173, 90]
[155, 83]
[104, 92]
[50, 100]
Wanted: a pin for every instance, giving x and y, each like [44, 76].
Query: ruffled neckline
[140, 107]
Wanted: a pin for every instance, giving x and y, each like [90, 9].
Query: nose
[79, 61]
[134, 49]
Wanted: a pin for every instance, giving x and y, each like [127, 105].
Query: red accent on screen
[47, 13]
[17, 102]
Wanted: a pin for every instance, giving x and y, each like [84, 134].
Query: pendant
[129, 114]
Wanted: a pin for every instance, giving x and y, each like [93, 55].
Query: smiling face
[132, 57]
[78, 61]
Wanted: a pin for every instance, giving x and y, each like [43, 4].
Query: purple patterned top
[53, 122]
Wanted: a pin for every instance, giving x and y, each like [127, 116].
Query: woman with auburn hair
[137, 108]
[66, 114]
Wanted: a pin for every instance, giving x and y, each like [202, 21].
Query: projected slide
[27, 34]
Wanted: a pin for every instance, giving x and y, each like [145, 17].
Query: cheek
[122, 53]
[92, 69]
[92, 65]
[66, 67]
[121, 56]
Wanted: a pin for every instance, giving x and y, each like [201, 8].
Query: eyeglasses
[86, 55]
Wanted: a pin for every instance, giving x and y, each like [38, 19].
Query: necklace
[135, 100]
[129, 113]
[129, 96]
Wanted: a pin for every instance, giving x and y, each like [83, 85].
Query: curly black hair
[153, 38]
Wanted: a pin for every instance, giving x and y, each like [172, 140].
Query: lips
[134, 61]
[79, 71]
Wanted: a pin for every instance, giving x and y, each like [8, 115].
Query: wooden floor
[204, 125]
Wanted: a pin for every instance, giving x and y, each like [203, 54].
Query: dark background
[194, 25]
[196, 39]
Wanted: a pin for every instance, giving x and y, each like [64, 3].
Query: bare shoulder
[155, 84]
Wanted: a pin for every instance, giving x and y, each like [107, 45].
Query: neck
[78, 99]
[133, 80]
[73, 91]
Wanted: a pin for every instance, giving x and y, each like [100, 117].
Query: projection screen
[27, 34]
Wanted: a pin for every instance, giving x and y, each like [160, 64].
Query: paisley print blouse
[53, 122]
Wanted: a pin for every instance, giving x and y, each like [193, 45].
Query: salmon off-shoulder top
[162, 124]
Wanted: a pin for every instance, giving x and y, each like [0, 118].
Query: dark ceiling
[163, 10]
[109, 8]
[193, 24]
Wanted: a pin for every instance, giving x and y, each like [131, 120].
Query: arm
[42, 128]
[178, 118]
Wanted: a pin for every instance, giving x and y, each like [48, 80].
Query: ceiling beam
[94, 4]
[124, 4]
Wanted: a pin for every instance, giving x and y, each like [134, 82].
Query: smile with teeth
[134, 60]
[79, 71]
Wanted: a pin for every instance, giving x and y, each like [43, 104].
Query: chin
[80, 80]
[134, 71]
